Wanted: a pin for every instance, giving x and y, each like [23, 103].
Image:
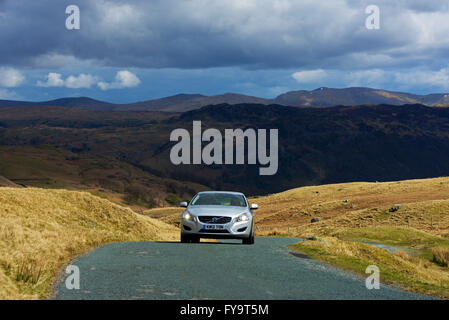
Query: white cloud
[53, 80]
[82, 81]
[8, 95]
[309, 76]
[420, 79]
[127, 79]
[123, 79]
[73, 82]
[423, 78]
[10, 77]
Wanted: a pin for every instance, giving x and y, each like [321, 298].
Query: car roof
[231, 192]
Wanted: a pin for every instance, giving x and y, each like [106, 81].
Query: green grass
[412, 241]
[137, 200]
[395, 236]
[410, 273]
[173, 199]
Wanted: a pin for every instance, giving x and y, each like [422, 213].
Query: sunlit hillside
[423, 204]
[402, 227]
[42, 230]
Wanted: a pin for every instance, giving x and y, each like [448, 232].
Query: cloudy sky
[135, 50]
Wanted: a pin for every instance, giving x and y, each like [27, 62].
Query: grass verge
[415, 271]
[42, 230]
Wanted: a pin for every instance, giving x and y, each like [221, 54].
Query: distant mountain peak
[327, 97]
[320, 97]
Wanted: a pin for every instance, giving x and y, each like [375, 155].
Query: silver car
[218, 215]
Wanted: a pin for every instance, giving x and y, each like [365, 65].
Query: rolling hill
[328, 97]
[187, 102]
[177, 103]
[81, 102]
[43, 230]
[118, 181]
[321, 97]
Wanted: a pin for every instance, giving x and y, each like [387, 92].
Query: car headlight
[187, 216]
[242, 218]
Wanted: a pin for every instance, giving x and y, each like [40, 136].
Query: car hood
[227, 211]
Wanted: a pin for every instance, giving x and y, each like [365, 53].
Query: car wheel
[195, 240]
[185, 238]
[249, 240]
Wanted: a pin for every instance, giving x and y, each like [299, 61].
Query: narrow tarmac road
[225, 270]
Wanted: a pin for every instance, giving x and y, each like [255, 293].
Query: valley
[360, 172]
[316, 146]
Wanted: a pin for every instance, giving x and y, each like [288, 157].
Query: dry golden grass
[425, 203]
[354, 214]
[403, 255]
[170, 215]
[441, 256]
[42, 230]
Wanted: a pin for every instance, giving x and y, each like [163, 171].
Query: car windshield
[219, 199]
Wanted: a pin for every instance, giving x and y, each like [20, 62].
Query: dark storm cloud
[201, 33]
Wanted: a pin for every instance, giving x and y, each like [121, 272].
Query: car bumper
[231, 230]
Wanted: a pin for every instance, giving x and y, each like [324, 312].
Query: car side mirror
[254, 206]
[183, 204]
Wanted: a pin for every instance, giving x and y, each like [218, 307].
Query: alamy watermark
[372, 281]
[72, 282]
[73, 21]
[372, 22]
[189, 150]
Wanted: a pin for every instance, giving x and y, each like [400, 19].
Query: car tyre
[249, 240]
[185, 238]
[195, 239]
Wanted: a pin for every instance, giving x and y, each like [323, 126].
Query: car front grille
[214, 219]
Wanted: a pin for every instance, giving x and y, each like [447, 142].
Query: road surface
[225, 270]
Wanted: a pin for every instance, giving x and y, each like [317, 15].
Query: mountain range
[321, 97]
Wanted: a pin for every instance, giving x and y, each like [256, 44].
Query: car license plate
[213, 227]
